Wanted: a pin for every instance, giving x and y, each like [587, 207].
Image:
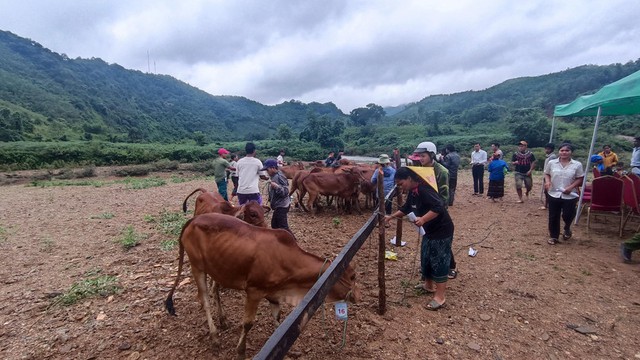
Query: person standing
[451, 161]
[478, 160]
[280, 158]
[329, 160]
[249, 174]
[388, 174]
[234, 175]
[635, 156]
[563, 176]
[220, 166]
[278, 195]
[609, 158]
[432, 216]
[549, 155]
[495, 148]
[524, 162]
[497, 169]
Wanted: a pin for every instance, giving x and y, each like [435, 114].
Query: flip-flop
[434, 305]
[421, 288]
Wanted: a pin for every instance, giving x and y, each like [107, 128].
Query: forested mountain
[47, 99]
[47, 96]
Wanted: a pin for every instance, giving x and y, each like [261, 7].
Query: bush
[140, 170]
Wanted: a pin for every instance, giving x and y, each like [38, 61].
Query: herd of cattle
[234, 246]
[344, 183]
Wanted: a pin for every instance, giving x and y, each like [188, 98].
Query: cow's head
[345, 288]
[253, 213]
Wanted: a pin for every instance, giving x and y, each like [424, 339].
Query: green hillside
[46, 96]
[56, 111]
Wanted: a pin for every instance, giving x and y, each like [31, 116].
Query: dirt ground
[519, 298]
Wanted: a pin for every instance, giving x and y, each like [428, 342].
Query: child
[234, 175]
[278, 195]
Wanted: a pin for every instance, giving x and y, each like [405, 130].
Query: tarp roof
[618, 98]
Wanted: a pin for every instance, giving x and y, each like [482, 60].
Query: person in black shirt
[431, 214]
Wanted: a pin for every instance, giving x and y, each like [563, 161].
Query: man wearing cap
[220, 166]
[478, 160]
[278, 195]
[388, 174]
[250, 172]
[524, 162]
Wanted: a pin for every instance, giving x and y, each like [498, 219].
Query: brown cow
[296, 184]
[345, 185]
[290, 170]
[265, 263]
[213, 202]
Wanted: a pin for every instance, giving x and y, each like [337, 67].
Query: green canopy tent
[618, 98]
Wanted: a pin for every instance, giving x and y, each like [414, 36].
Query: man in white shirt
[280, 158]
[478, 160]
[249, 170]
[635, 156]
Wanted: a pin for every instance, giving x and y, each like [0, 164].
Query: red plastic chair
[606, 199]
[630, 198]
[596, 172]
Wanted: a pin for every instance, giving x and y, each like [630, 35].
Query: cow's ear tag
[341, 310]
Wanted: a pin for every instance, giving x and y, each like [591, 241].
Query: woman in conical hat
[431, 214]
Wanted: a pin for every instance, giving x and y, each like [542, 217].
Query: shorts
[245, 198]
[520, 178]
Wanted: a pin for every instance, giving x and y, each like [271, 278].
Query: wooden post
[382, 297]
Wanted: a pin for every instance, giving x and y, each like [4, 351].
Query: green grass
[129, 238]
[3, 234]
[526, 256]
[93, 285]
[145, 183]
[177, 179]
[168, 223]
[105, 215]
[47, 245]
[336, 221]
[60, 183]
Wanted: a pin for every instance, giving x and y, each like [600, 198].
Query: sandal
[552, 241]
[422, 289]
[567, 235]
[453, 273]
[434, 305]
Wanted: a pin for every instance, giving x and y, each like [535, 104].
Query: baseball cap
[522, 142]
[223, 151]
[426, 146]
[269, 163]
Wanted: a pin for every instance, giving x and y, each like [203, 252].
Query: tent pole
[586, 170]
[553, 126]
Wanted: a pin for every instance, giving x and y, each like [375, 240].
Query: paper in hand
[412, 217]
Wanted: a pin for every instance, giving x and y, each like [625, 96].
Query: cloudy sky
[351, 52]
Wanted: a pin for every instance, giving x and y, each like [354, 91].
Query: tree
[198, 137]
[284, 132]
[361, 116]
[531, 125]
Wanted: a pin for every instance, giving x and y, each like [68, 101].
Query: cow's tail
[184, 203]
[168, 304]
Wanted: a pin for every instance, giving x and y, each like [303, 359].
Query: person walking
[249, 174]
[451, 161]
[563, 177]
[478, 160]
[497, 169]
[278, 195]
[432, 216]
[220, 166]
[388, 174]
[524, 162]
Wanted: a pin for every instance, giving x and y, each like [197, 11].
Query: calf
[265, 263]
[213, 202]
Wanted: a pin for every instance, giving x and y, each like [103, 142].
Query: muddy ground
[519, 298]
